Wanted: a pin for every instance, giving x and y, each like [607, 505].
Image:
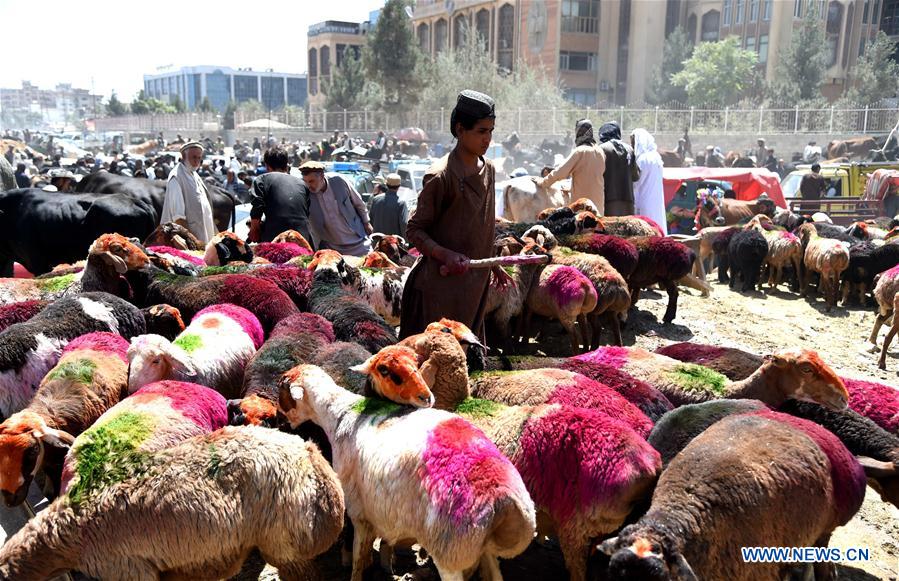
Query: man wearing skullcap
[453, 223]
[338, 218]
[621, 171]
[186, 198]
[585, 166]
[388, 213]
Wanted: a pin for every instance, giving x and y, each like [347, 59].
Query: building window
[750, 43]
[325, 56]
[738, 15]
[581, 97]
[341, 48]
[273, 92]
[506, 36]
[767, 11]
[246, 88]
[728, 8]
[482, 27]
[424, 38]
[580, 16]
[763, 48]
[847, 34]
[313, 62]
[440, 30]
[710, 24]
[296, 92]
[218, 89]
[460, 31]
[797, 8]
[832, 31]
[876, 12]
[753, 10]
[577, 61]
[691, 28]
[865, 12]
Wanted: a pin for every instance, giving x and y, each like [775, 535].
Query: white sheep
[194, 511]
[213, 350]
[420, 474]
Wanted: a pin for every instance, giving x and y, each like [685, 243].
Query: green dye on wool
[565, 251]
[79, 371]
[55, 284]
[510, 270]
[215, 462]
[370, 270]
[697, 378]
[213, 270]
[479, 408]
[373, 406]
[190, 342]
[108, 453]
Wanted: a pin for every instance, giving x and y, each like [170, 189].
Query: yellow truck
[846, 184]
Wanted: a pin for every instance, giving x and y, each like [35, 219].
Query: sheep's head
[377, 259]
[806, 232]
[227, 247]
[174, 235]
[154, 358]
[801, 374]
[584, 205]
[585, 221]
[393, 374]
[393, 246]
[883, 476]
[294, 237]
[460, 332]
[641, 552]
[542, 236]
[23, 438]
[326, 259]
[163, 320]
[252, 411]
[294, 389]
[119, 252]
[507, 246]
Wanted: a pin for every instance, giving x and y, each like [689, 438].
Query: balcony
[580, 24]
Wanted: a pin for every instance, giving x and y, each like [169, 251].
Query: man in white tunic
[649, 194]
[186, 198]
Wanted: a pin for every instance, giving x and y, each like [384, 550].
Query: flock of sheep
[286, 410]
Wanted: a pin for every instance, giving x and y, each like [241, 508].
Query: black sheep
[561, 221]
[719, 248]
[835, 232]
[867, 260]
[745, 254]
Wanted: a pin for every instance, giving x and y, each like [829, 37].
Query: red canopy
[748, 182]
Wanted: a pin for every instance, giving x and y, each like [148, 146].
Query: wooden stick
[514, 260]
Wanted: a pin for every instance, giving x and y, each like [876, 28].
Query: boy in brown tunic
[453, 223]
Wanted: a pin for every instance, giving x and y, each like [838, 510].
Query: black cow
[153, 192]
[42, 229]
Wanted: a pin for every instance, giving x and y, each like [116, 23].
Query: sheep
[395, 248]
[747, 481]
[784, 250]
[155, 417]
[825, 256]
[294, 280]
[628, 226]
[620, 253]
[293, 237]
[579, 205]
[789, 373]
[163, 320]
[885, 290]
[213, 350]
[866, 231]
[378, 260]
[173, 235]
[30, 349]
[834, 232]
[385, 380]
[279, 252]
[181, 258]
[876, 401]
[456, 494]
[91, 377]
[353, 319]
[226, 247]
[661, 261]
[706, 238]
[20, 312]
[560, 221]
[745, 255]
[194, 511]
[733, 363]
[381, 288]
[720, 243]
[562, 293]
[584, 468]
[337, 360]
[295, 340]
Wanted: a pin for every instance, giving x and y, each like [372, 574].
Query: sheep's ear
[181, 364]
[877, 468]
[777, 359]
[53, 437]
[607, 547]
[680, 569]
[376, 238]
[365, 367]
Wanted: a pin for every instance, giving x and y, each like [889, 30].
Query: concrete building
[599, 51]
[767, 27]
[327, 44]
[53, 106]
[224, 84]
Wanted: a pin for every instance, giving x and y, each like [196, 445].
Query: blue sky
[116, 43]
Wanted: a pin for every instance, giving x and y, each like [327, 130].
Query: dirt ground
[757, 322]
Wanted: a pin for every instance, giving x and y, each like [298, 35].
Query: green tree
[392, 59]
[718, 73]
[228, 116]
[178, 104]
[801, 67]
[344, 89]
[875, 73]
[206, 105]
[676, 51]
[115, 107]
[139, 105]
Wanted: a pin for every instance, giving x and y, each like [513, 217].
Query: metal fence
[659, 121]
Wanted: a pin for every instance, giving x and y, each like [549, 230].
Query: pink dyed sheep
[181, 258]
[784, 249]
[19, 312]
[279, 252]
[213, 350]
[563, 293]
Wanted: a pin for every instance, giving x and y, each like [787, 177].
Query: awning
[749, 183]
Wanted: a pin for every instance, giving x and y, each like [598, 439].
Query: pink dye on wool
[692, 352]
[247, 320]
[876, 401]
[584, 392]
[614, 357]
[846, 473]
[651, 401]
[205, 407]
[789, 236]
[280, 252]
[105, 342]
[196, 260]
[464, 473]
[305, 323]
[566, 284]
[573, 458]
[891, 273]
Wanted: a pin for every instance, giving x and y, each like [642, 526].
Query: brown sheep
[563, 293]
[827, 257]
[784, 249]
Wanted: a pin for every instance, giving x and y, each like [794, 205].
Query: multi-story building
[596, 50]
[224, 84]
[767, 27]
[328, 43]
[54, 106]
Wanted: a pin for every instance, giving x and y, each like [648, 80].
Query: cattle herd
[194, 411]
